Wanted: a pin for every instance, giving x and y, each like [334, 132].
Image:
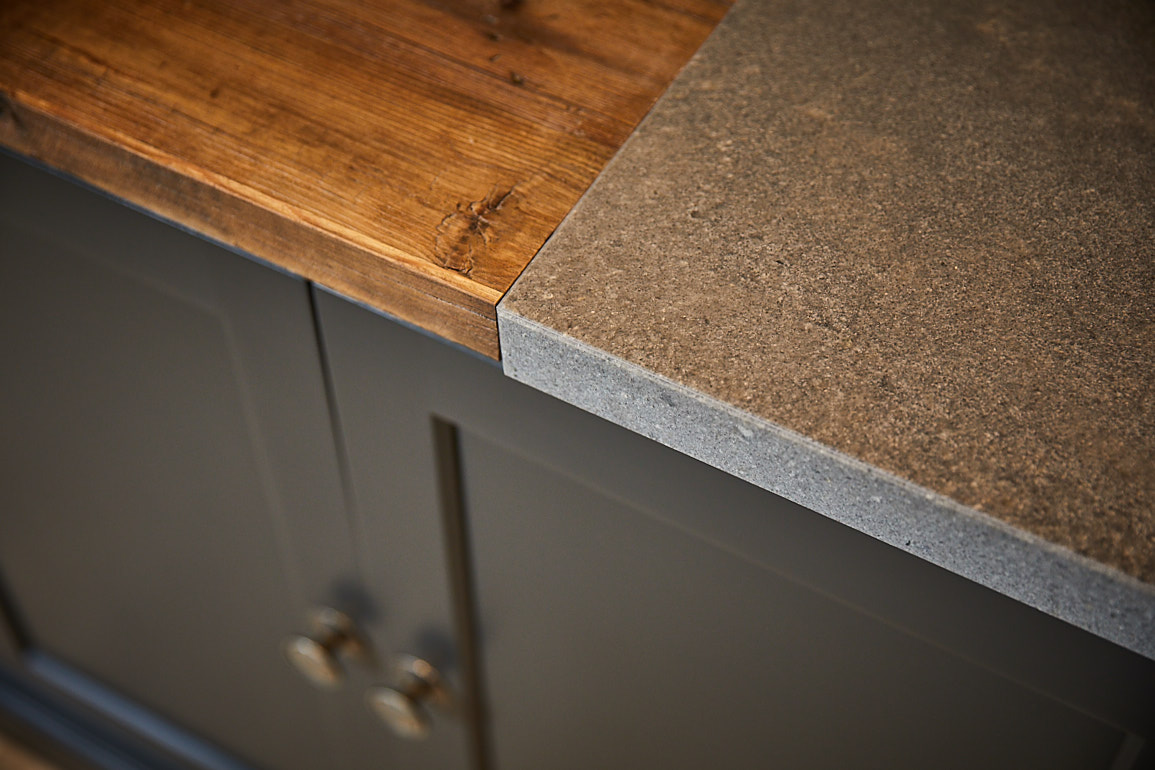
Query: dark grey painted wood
[639, 609]
[108, 722]
[653, 647]
[65, 739]
[115, 714]
[170, 500]
[392, 446]
[10, 635]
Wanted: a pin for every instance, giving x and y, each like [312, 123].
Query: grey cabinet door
[658, 644]
[637, 609]
[170, 497]
[401, 487]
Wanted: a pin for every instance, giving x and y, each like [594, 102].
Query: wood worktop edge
[464, 315]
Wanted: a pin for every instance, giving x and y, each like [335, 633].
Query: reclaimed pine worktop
[410, 154]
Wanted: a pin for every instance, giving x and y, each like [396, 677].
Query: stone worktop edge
[926, 524]
[895, 263]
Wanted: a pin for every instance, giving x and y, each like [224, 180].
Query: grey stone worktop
[894, 261]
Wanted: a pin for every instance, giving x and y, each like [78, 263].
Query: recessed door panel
[170, 501]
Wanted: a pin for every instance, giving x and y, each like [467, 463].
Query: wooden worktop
[413, 155]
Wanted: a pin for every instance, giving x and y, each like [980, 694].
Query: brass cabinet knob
[402, 707]
[318, 657]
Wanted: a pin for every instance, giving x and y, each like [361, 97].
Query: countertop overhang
[412, 155]
[894, 261]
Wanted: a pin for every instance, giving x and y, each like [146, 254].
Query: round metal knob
[317, 657]
[401, 712]
[402, 707]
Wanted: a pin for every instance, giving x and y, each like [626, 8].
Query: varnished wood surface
[413, 155]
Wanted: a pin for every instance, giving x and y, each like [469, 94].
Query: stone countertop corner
[895, 262]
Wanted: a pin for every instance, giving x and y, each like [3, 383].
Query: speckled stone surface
[920, 234]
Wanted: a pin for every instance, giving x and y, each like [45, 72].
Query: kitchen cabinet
[637, 608]
[171, 498]
[199, 449]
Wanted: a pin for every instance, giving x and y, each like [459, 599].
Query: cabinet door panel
[170, 502]
[651, 647]
[396, 476]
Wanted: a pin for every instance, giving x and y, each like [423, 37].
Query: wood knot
[464, 235]
[8, 113]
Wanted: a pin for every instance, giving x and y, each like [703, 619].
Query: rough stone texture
[969, 543]
[921, 234]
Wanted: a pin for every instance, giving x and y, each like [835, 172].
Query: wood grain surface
[410, 154]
